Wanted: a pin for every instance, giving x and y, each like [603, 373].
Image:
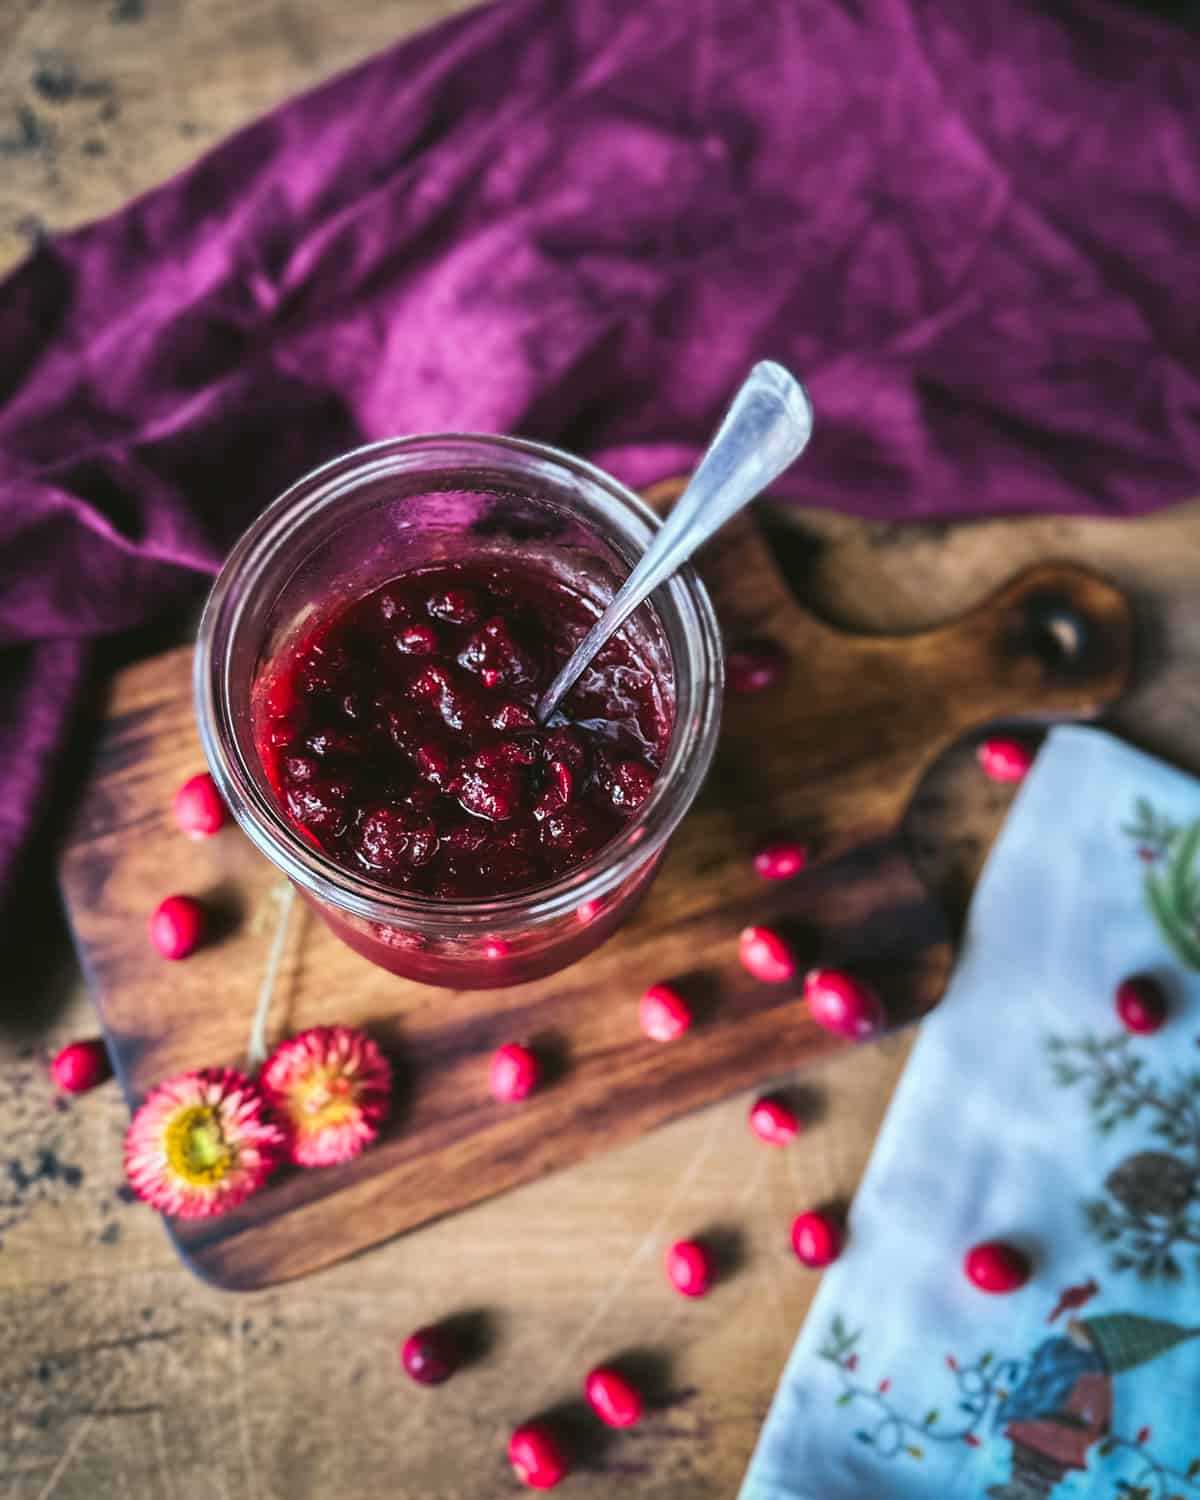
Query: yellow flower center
[196, 1146]
[324, 1098]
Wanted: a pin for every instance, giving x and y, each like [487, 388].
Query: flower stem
[256, 1050]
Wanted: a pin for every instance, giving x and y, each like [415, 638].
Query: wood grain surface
[830, 755]
[123, 1377]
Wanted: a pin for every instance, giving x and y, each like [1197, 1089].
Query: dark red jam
[399, 735]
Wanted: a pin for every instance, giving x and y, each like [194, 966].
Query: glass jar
[359, 522]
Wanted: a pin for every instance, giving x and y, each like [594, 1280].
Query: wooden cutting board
[831, 758]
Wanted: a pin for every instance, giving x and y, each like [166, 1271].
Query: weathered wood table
[124, 1378]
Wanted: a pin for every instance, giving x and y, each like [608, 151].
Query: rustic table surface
[123, 1377]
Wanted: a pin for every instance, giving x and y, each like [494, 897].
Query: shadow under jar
[375, 739]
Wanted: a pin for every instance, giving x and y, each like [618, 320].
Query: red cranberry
[455, 606]
[570, 832]
[430, 682]
[631, 784]
[689, 1268]
[1141, 1004]
[615, 1400]
[772, 1121]
[321, 668]
[177, 926]
[509, 753]
[780, 861]
[300, 768]
[326, 743]
[842, 1004]
[512, 1073]
[492, 792]
[81, 1066]
[495, 656]
[754, 666]
[391, 839]
[817, 1239]
[421, 798]
[433, 763]
[664, 1013]
[537, 1456]
[458, 710]
[766, 955]
[198, 807]
[281, 698]
[561, 780]
[566, 746]
[588, 911]
[1005, 759]
[392, 608]
[996, 1267]
[510, 716]
[495, 949]
[429, 1356]
[468, 838]
[417, 640]
[320, 805]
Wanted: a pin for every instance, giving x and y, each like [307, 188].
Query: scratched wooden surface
[124, 1378]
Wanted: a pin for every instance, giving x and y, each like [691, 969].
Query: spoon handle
[766, 428]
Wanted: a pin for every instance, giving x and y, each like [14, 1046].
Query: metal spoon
[766, 428]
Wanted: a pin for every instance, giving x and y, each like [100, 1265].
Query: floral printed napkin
[1028, 1113]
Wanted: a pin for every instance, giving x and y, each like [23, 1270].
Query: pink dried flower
[332, 1089]
[201, 1143]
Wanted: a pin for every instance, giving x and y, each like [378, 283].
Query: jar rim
[683, 598]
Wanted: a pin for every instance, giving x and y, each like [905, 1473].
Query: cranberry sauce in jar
[399, 737]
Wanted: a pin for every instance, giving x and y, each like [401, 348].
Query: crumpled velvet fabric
[971, 228]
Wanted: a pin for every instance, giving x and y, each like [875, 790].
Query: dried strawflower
[331, 1087]
[201, 1143]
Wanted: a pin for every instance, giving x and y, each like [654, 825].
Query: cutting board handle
[1056, 641]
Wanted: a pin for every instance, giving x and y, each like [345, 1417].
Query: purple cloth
[971, 227]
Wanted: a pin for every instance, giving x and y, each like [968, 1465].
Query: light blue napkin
[1027, 1113]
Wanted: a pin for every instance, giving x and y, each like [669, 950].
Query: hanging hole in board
[1060, 635]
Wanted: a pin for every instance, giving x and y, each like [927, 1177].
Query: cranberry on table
[663, 1013]
[753, 666]
[199, 808]
[1006, 758]
[690, 1268]
[1141, 1004]
[780, 861]
[513, 1073]
[997, 1267]
[766, 954]
[429, 1356]
[81, 1066]
[177, 926]
[614, 1399]
[841, 1004]
[537, 1456]
[400, 737]
[817, 1238]
[772, 1121]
